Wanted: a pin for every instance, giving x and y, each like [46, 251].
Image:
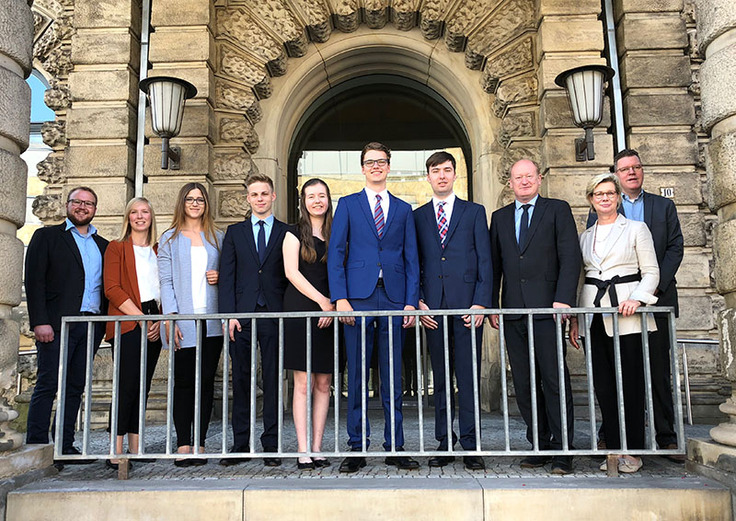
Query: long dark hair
[308, 253]
[208, 222]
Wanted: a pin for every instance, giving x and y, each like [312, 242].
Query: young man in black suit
[64, 278]
[536, 262]
[660, 216]
[252, 280]
[455, 267]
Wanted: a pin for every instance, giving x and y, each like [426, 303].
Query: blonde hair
[127, 229]
[208, 222]
[602, 178]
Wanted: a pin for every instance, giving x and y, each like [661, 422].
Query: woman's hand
[628, 307]
[154, 331]
[212, 276]
[326, 305]
[177, 335]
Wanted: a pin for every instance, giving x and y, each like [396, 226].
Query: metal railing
[415, 443]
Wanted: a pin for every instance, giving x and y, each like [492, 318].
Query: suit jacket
[547, 269]
[55, 276]
[356, 254]
[629, 250]
[462, 270]
[121, 282]
[660, 215]
[175, 276]
[242, 275]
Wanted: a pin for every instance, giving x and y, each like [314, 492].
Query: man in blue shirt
[64, 278]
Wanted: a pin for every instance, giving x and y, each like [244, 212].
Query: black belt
[610, 286]
[379, 284]
[149, 307]
[88, 314]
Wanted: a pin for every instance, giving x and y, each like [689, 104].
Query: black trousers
[129, 382]
[659, 356]
[267, 335]
[42, 400]
[549, 418]
[185, 391]
[604, 379]
[461, 366]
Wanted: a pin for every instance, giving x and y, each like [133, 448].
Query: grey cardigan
[175, 276]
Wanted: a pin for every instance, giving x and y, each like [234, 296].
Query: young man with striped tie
[372, 265]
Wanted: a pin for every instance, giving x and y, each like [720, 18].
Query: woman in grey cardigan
[188, 264]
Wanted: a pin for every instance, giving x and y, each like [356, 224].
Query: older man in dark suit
[455, 267]
[660, 216]
[64, 278]
[536, 261]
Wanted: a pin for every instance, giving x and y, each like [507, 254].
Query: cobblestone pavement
[493, 439]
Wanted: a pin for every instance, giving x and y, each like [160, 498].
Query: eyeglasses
[194, 200]
[624, 169]
[79, 202]
[370, 162]
[607, 195]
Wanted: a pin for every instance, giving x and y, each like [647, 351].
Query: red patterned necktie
[378, 216]
[442, 224]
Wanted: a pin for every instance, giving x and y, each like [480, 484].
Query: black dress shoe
[561, 465]
[534, 462]
[474, 463]
[309, 465]
[402, 462]
[440, 461]
[75, 452]
[229, 462]
[352, 464]
[272, 462]
[183, 463]
[197, 462]
[321, 463]
[113, 466]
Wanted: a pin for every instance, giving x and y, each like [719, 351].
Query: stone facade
[259, 66]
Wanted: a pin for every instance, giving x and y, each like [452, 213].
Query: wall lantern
[585, 86]
[166, 96]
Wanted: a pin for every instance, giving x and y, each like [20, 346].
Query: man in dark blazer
[372, 265]
[660, 216]
[64, 278]
[455, 273]
[252, 280]
[536, 264]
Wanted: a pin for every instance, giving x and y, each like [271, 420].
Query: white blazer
[630, 250]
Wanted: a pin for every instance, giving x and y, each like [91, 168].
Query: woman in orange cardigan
[132, 287]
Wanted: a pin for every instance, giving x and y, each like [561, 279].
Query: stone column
[717, 35]
[16, 41]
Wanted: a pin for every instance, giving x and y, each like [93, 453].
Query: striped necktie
[378, 216]
[442, 224]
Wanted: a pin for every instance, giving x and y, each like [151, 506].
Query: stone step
[568, 498]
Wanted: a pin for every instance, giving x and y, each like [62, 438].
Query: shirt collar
[268, 220]
[91, 230]
[625, 197]
[449, 200]
[533, 202]
[372, 193]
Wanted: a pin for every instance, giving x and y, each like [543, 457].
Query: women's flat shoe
[183, 462]
[309, 465]
[321, 463]
[628, 466]
[109, 464]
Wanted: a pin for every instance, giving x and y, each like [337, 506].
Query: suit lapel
[648, 210]
[616, 231]
[66, 236]
[273, 238]
[539, 208]
[129, 262]
[394, 204]
[247, 229]
[368, 212]
[457, 214]
[508, 225]
[431, 223]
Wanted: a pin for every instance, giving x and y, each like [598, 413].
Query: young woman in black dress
[305, 257]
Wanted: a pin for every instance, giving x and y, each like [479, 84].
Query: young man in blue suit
[372, 265]
[252, 280]
[455, 261]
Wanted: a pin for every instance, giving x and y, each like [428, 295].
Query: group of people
[374, 254]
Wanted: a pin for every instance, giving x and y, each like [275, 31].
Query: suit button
[523, 281]
[444, 259]
[260, 271]
[440, 276]
[379, 264]
[521, 256]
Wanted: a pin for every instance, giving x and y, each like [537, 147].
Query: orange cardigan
[121, 282]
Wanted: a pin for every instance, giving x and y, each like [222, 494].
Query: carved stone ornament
[52, 170]
[233, 204]
[376, 14]
[466, 16]
[58, 62]
[347, 15]
[514, 154]
[48, 208]
[231, 96]
[58, 97]
[238, 66]
[432, 17]
[514, 90]
[240, 27]
[238, 130]
[517, 124]
[54, 133]
[230, 166]
[278, 17]
[513, 60]
[508, 21]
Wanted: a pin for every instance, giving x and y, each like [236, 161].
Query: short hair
[438, 158]
[626, 152]
[82, 188]
[258, 178]
[602, 178]
[534, 163]
[375, 145]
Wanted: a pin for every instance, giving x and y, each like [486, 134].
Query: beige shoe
[604, 466]
[629, 464]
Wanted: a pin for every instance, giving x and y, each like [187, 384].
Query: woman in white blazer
[621, 271]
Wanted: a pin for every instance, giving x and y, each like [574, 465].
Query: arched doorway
[409, 117]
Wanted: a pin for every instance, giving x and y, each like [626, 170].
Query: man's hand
[409, 321]
[232, 326]
[574, 332]
[494, 321]
[344, 306]
[427, 321]
[44, 333]
[478, 319]
[562, 305]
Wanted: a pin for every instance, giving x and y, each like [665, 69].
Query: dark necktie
[261, 241]
[378, 216]
[524, 227]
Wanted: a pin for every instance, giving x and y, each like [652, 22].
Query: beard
[80, 222]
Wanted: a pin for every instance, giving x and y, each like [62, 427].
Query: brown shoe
[675, 458]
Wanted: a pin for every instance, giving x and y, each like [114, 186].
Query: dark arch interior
[401, 113]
